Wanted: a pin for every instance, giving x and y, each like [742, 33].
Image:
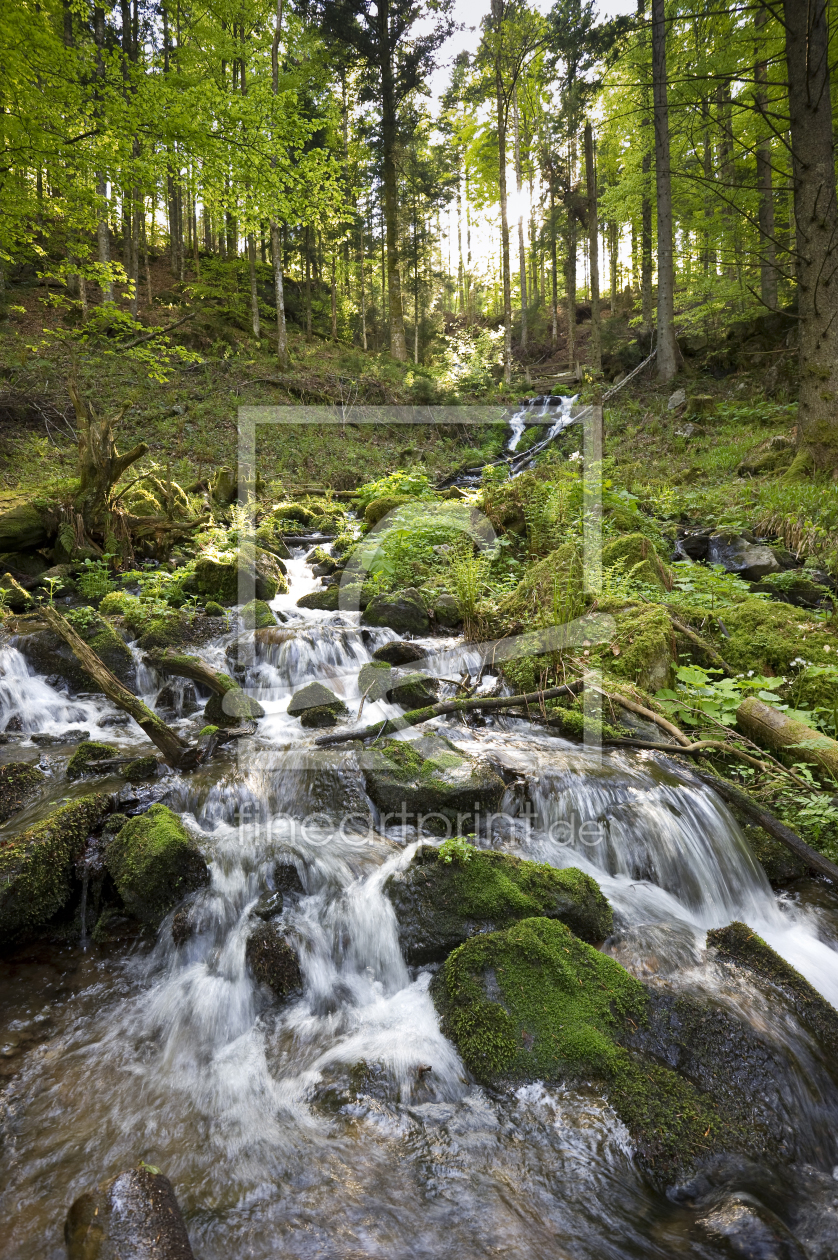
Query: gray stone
[404, 612]
[134, 1216]
[414, 691]
[399, 653]
[677, 399]
[447, 611]
[750, 561]
[315, 706]
[374, 680]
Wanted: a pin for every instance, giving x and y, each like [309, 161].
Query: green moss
[767, 637]
[534, 1002]
[170, 629]
[405, 762]
[154, 863]
[550, 592]
[212, 609]
[206, 731]
[636, 558]
[257, 615]
[440, 902]
[142, 768]
[36, 867]
[116, 603]
[378, 508]
[644, 642]
[217, 577]
[84, 759]
[18, 784]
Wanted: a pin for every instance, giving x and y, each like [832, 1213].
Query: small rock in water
[374, 679]
[268, 906]
[751, 1230]
[404, 612]
[447, 611]
[134, 1216]
[414, 691]
[141, 768]
[315, 706]
[287, 878]
[398, 653]
[15, 723]
[114, 719]
[273, 961]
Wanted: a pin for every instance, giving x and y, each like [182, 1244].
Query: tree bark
[100, 464]
[768, 253]
[522, 251]
[571, 259]
[593, 248]
[254, 294]
[816, 218]
[667, 358]
[389, 133]
[276, 235]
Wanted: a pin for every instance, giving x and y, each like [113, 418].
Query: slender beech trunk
[571, 259]
[593, 249]
[816, 217]
[276, 235]
[461, 290]
[389, 139]
[362, 284]
[709, 251]
[103, 239]
[334, 295]
[500, 104]
[667, 362]
[767, 248]
[522, 250]
[308, 281]
[554, 260]
[726, 171]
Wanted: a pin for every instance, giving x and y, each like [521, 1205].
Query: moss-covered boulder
[16, 596]
[414, 691]
[317, 706]
[375, 679]
[269, 539]
[440, 904]
[534, 1002]
[19, 784]
[428, 784]
[378, 508]
[767, 636]
[739, 945]
[635, 556]
[398, 652]
[549, 593]
[48, 654]
[155, 863]
[23, 525]
[84, 760]
[257, 615]
[327, 600]
[233, 707]
[140, 769]
[217, 577]
[36, 867]
[404, 612]
[273, 961]
[170, 629]
[447, 612]
[643, 649]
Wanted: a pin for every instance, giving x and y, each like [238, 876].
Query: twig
[157, 332]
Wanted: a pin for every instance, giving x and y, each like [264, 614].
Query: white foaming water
[535, 409]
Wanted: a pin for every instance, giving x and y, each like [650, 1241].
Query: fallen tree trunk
[417, 716]
[239, 705]
[772, 825]
[769, 726]
[176, 752]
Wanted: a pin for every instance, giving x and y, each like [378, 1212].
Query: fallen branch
[417, 716]
[177, 665]
[157, 332]
[690, 749]
[642, 711]
[176, 752]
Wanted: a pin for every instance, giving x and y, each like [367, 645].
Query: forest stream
[344, 1123]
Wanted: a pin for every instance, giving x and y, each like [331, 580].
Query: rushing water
[344, 1124]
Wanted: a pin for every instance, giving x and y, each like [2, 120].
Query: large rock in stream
[404, 612]
[693, 1083]
[427, 783]
[155, 863]
[217, 578]
[133, 1216]
[440, 904]
[36, 867]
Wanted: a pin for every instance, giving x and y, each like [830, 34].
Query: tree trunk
[593, 247]
[816, 216]
[389, 137]
[334, 297]
[571, 260]
[276, 235]
[254, 294]
[522, 252]
[175, 751]
[768, 253]
[362, 286]
[100, 464]
[667, 360]
[308, 281]
[554, 260]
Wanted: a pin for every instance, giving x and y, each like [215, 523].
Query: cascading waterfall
[344, 1122]
[537, 409]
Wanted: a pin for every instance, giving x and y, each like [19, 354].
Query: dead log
[100, 464]
[176, 752]
[417, 716]
[772, 728]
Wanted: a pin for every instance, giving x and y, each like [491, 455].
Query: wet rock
[257, 615]
[134, 1216]
[273, 961]
[233, 708]
[447, 612]
[155, 863]
[73, 735]
[268, 906]
[374, 680]
[736, 554]
[287, 878]
[321, 601]
[19, 784]
[178, 695]
[115, 719]
[749, 1229]
[440, 904]
[740, 946]
[379, 508]
[14, 724]
[49, 654]
[693, 545]
[414, 691]
[317, 706]
[183, 926]
[86, 756]
[428, 784]
[218, 579]
[36, 867]
[398, 653]
[113, 824]
[404, 612]
[141, 768]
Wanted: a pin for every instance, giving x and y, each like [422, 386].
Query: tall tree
[667, 360]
